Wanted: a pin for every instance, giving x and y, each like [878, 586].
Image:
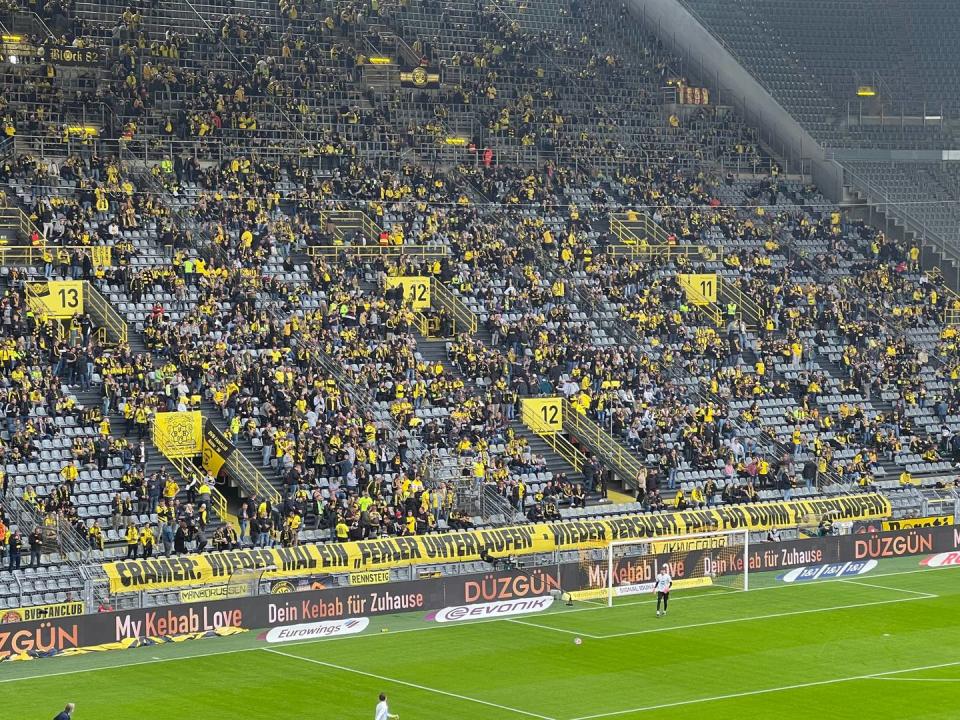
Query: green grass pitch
[881, 645]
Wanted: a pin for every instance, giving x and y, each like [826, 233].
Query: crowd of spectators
[298, 354]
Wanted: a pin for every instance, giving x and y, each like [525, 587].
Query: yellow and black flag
[420, 77]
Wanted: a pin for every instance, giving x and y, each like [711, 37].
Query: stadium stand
[261, 179]
[814, 58]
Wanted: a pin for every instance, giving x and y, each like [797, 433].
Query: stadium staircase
[434, 351]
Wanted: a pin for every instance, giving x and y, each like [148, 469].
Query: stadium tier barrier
[385, 553]
[311, 610]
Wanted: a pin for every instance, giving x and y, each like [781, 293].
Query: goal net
[704, 560]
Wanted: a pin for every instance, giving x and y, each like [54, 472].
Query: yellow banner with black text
[216, 448]
[42, 612]
[386, 553]
[918, 522]
[58, 299]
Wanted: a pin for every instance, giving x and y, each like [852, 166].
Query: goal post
[707, 559]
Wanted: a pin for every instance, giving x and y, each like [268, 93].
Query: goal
[710, 559]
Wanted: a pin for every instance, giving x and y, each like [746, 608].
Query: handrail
[201, 234]
[668, 251]
[650, 230]
[346, 220]
[464, 319]
[624, 462]
[370, 251]
[250, 479]
[951, 310]
[571, 454]
[710, 311]
[13, 217]
[359, 395]
[66, 538]
[187, 470]
[104, 315]
[749, 307]
[492, 503]
[33, 254]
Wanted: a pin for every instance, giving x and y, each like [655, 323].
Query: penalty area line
[766, 691]
[730, 621]
[553, 629]
[896, 679]
[394, 681]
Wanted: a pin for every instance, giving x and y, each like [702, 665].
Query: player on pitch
[662, 588]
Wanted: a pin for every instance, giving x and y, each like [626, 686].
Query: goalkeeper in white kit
[662, 587]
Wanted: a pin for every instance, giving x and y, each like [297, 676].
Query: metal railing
[103, 314]
[711, 312]
[570, 453]
[669, 252]
[251, 480]
[26, 255]
[57, 532]
[492, 504]
[373, 251]
[462, 317]
[951, 310]
[641, 230]
[14, 218]
[351, 221]
[623, 462]
[748, 309]
[878, 196]
[359, 395]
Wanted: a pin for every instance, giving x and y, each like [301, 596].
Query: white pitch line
[437, 626]
[554, 629]
[766, 691]
[887, 587]
[730, 621]
[639, 600]
[896, 679]
[409, 684]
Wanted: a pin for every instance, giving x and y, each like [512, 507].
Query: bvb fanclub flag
[421, 78]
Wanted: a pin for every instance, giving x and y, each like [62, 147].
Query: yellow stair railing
[711, 313]
[601, 442]
[103, 314]
[669, 252]
[747, 308]
[13, 218]
[371, 251]
[20, 255]
[951, 311]
[557, 442]
[187, 471]
[641, 238]
[637, 228]
[463, 319]
[346, 221]
[33, 255]
[251, 479]
[555, 417]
